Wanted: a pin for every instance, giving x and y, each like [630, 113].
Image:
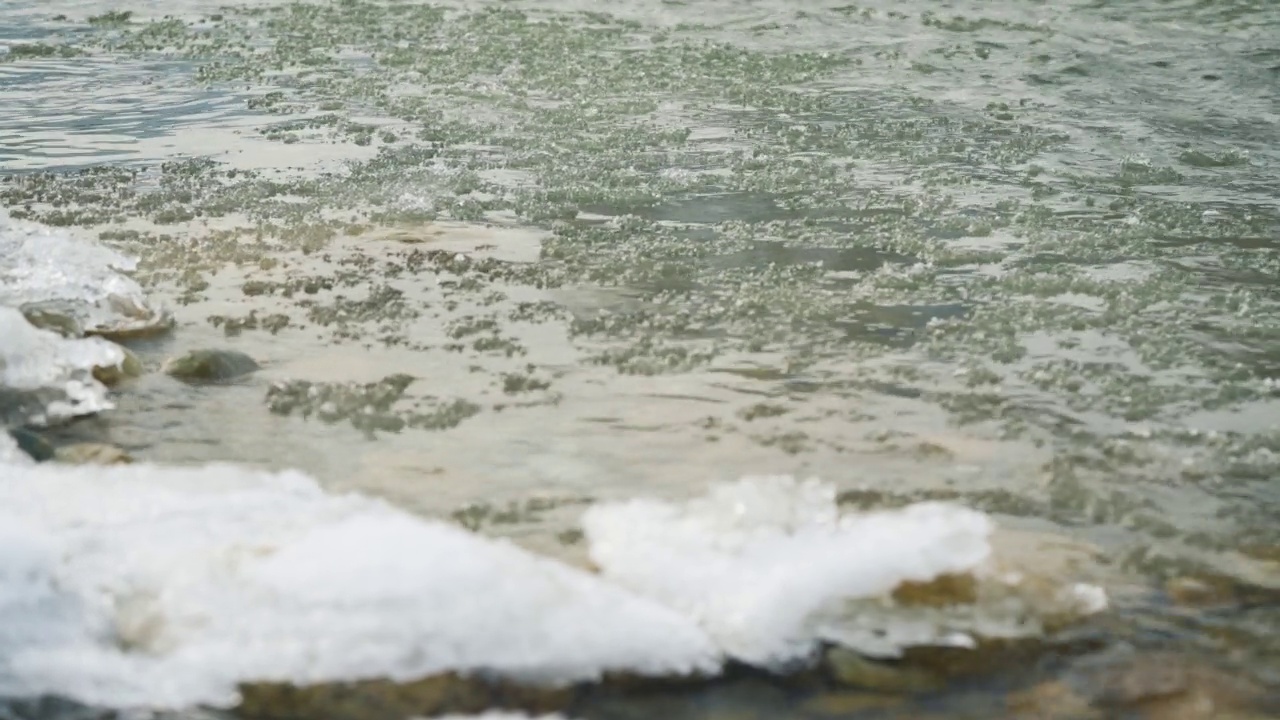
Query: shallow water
[1018, 254]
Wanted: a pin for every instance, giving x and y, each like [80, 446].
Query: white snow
[45, 377]
[765, 564]
[165, 587]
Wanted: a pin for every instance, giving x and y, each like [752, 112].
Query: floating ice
[154, 586]
[42, 267]
[45, 377]
[764, 564]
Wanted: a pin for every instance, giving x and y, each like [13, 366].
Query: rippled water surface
[1020, 254]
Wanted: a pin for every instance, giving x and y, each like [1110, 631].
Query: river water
[1020, 255]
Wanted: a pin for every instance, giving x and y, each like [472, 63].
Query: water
[1020, 255]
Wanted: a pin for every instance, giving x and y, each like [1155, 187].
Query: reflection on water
[80, 112]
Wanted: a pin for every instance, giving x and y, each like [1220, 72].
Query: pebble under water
[495, 262]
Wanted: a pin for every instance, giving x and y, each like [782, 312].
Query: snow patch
[155, 586]
[45, 377]
[764, 564]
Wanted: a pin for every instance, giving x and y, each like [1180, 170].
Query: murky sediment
[501, 263]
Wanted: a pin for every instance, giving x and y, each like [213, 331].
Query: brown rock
[1052, 700]
[1212, 590]
[387, 700]
[949, 589]
[1200, 592]
[91, 454]
[1267, 553]
[853, 670]
[1166, 686]
[129, 367]
[54, 317]
[845, 704]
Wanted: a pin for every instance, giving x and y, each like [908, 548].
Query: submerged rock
[369, 407]
[129, 318]
[1051, 700]
[843, 704]
[32, 444]
[130, 366]
[1173, 686]
[210, 365]
[91, 454]
[383, 699]
[53, 316]
[853, 670]
[132, 320]
[1207, 590]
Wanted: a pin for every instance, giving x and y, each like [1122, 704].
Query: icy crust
[166, 587]
[987, 603]
[765, 565]
[771, 569]
[46, 269]
[45, 377]
[149, 586]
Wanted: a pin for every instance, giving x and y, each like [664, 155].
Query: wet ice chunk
[765, 563]
[46, 268]
[45, 377]
[142, 585]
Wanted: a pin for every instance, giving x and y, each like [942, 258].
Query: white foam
[766, 564]
[166, 587]
[45, 377]
[43, 265]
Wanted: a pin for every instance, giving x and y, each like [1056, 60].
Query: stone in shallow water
[129, 367]
[91, 454]
[210, 365]
[1174, 686]
[843, 704]
[32, 444]
[383, 699]
[1051, 700]
[145, 324]
[53, 316]
[851, 669]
